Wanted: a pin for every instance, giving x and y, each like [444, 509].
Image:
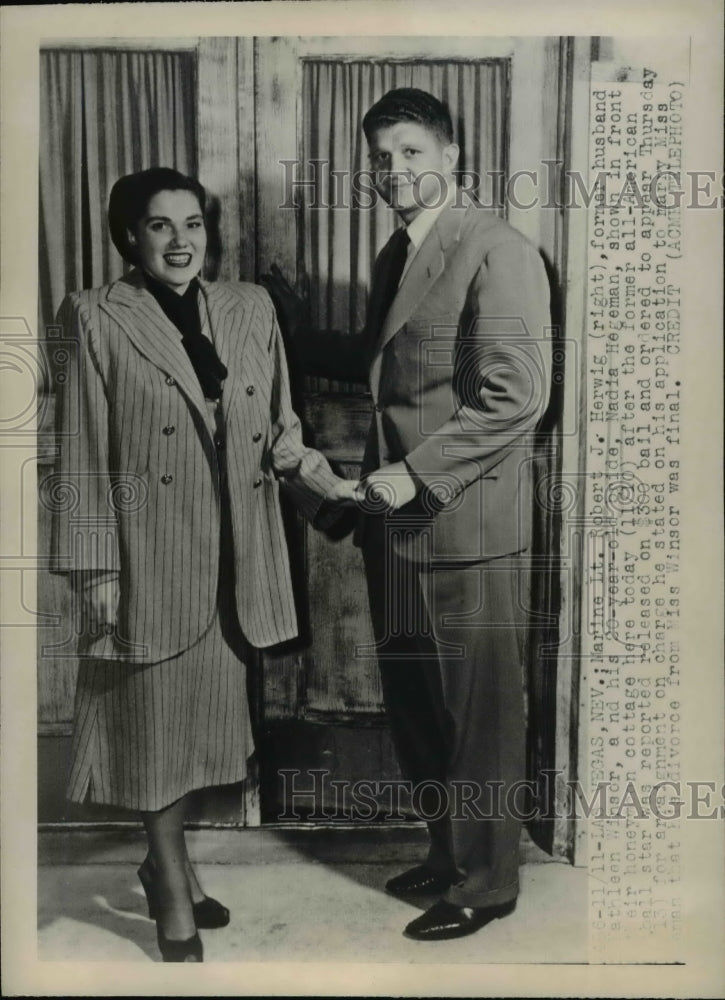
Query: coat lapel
[229, 318]
[143, 321]
[426, 267]
[226, 321]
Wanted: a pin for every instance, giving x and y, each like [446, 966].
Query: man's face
[412, 167]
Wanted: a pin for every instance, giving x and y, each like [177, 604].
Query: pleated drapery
[339, 245]
[103, 114]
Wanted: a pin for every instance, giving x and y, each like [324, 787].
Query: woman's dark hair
[408, 104]
[130, 196]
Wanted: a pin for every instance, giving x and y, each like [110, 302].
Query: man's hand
[292, 304]
[345, 491]
[392, 487]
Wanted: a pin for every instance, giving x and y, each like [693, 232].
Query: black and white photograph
[362, 546]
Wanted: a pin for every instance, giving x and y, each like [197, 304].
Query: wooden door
[320, 698]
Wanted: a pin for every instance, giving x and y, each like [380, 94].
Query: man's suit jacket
[459, 374]
[137, 486]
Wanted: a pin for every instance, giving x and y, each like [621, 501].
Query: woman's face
[170, 239]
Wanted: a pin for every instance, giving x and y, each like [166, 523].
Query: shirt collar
[422, 224]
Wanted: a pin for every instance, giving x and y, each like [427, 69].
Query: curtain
[339, 246]
[102, 114]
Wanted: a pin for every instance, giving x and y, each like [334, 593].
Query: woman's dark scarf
[183, 311]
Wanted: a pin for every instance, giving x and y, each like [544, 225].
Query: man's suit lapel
[426, 267]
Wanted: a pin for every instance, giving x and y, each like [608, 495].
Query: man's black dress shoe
[446, 920]
[419, 881]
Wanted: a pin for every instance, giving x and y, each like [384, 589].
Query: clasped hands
[385, 489]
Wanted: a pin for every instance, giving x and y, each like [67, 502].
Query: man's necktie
[396, 266]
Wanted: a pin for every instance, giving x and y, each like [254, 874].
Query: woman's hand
[99, 592]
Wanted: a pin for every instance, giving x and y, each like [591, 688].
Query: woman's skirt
[145, 735]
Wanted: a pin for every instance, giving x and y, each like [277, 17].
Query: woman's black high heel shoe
[189, 950]
[209, 914]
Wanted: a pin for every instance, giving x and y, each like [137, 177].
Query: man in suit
[459, 374]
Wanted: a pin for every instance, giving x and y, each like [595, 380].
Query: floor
[304, 895]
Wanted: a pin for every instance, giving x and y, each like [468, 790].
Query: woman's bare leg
[197, 893]
[167, 849]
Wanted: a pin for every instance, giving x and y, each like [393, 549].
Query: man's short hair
[408, 104]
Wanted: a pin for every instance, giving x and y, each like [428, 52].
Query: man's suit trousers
[450, 644]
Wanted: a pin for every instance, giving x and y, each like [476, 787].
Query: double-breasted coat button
[378, 408]
[257, 482]
[219, 441]
[250, 390]
[167, 478]
[168, 430]
[256, 436]
[170, 380]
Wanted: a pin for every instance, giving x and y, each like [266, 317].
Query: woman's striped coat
[136, 486]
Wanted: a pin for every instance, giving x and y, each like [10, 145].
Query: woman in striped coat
[175, 428]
